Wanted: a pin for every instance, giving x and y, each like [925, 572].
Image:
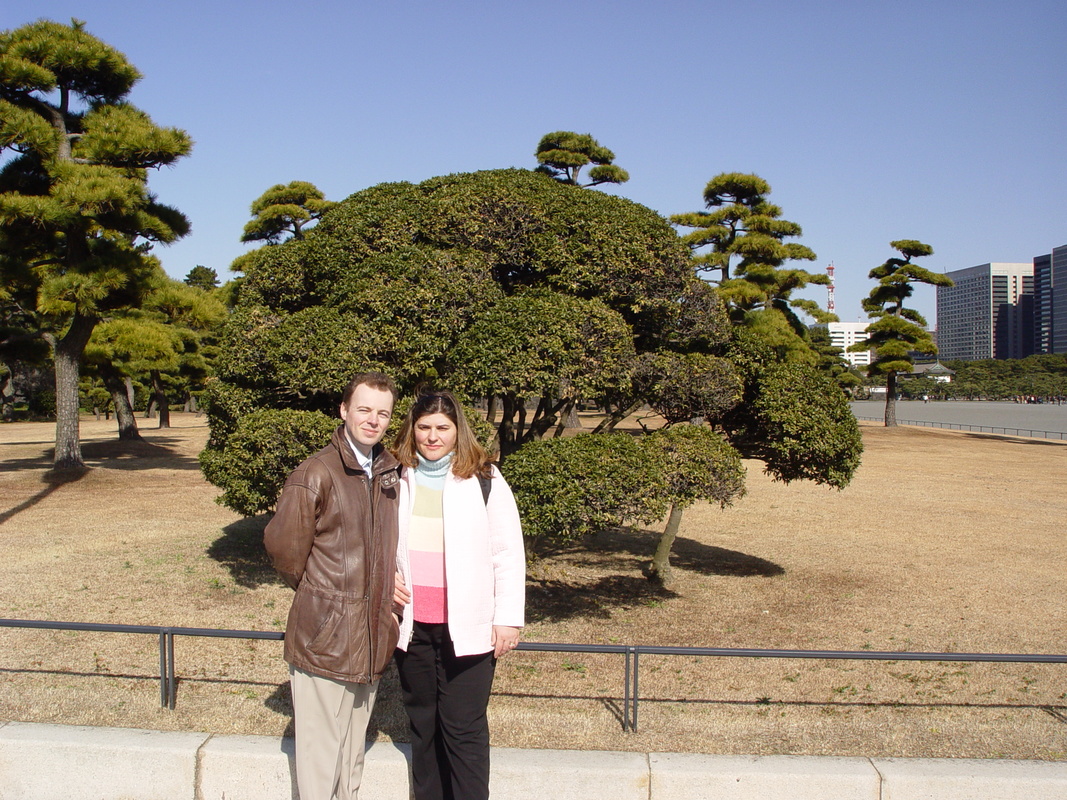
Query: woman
[460, 558]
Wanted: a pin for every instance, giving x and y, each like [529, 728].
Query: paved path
[1022, 416]
[42, 762]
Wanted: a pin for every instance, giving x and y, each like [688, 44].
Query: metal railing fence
[959, 426]
[168, 679]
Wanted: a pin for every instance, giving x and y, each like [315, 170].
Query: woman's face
[435, 436]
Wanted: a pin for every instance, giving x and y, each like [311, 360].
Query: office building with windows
[988, 313]
[1050, 302]
[846, 334]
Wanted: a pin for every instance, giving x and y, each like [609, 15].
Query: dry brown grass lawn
[945, 541]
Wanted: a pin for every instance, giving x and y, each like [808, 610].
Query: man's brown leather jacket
[333, 540]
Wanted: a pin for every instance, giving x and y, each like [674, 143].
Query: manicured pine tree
[564, 154]
[76, 216]
[741, 240]
[897, 332]
[285, 208]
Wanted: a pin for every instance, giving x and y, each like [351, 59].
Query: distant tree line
[1041, 377]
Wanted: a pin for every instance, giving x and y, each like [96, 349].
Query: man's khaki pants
[330, 719]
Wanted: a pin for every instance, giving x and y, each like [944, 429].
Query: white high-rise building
[846, 334]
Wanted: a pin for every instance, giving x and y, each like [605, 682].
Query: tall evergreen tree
[748, 250]
[76, 216]
[740, 223]
[897, 332]
[196, 318]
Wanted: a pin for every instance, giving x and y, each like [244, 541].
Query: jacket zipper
[372, 644]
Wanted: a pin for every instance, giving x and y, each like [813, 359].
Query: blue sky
[872, 121]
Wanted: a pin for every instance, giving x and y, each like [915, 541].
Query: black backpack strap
[487, 487]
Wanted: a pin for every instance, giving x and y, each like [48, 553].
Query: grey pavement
[46, 762]
[1001, 414]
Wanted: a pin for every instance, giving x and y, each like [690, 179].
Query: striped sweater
[426, 542]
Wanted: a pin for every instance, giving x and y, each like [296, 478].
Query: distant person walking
[461, 554]
[333, 539]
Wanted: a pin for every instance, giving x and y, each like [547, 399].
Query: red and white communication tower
[830, 288]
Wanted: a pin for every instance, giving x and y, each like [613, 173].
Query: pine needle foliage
[564, 154]
[898, 332]
[740, 243]
[285, 209]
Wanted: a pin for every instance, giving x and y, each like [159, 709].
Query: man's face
[367, 415]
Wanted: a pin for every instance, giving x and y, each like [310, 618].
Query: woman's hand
[401, 595]
[505, 639]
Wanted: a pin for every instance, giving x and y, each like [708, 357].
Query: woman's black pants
[446, 697]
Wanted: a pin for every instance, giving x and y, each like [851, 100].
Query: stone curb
[42, 762]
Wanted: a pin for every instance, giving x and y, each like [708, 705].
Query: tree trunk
[120, 399]
[520, 423]
[615, 417]
[161, 399]
[505, 431]
[659, 571]
[67, 353]
[891, 400]
[7, 397]
[545, 418]
[490, 410]
[573, 420]
[567, 418]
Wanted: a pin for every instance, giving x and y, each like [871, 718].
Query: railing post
[162, 669]
[629, 691]
[168, 683]
[172, 700]
[633, 721]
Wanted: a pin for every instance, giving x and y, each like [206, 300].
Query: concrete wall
[42, 762]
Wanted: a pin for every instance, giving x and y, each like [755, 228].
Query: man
[333, 539]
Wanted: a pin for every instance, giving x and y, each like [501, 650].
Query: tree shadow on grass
[637, 546]
[710, 560]
[556, 601]
[240, 550]
[627, 550]
[1016, 439]
[161, 453]
[52, 481]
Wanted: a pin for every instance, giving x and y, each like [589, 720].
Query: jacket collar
[384, 461]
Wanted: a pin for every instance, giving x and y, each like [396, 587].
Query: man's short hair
[375, 380]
